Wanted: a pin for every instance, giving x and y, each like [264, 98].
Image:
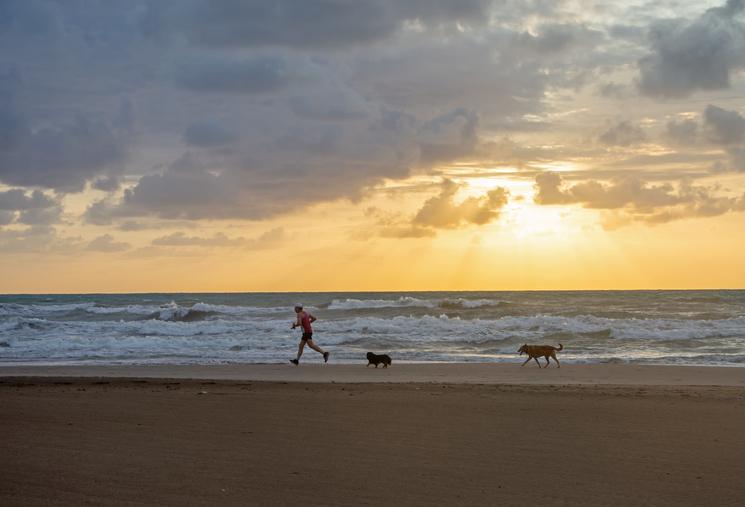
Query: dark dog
[377, 359]
[536, 351]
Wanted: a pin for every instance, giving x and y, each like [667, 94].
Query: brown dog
[536, 351]
[377, 359]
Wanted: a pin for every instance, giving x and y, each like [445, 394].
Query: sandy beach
[589, 435]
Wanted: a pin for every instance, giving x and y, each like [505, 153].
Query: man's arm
[312, 318]
[297, 322]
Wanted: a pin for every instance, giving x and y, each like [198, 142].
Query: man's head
[298, 308]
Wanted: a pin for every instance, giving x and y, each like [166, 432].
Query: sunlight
[527, 220]
[522, 217]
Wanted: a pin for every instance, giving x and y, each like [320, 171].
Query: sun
[521, 217]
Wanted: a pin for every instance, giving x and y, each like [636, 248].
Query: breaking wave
[668, 328]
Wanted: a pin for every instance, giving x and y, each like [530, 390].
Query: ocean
[656, 327]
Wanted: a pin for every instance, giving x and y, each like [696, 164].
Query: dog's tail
[561, 347]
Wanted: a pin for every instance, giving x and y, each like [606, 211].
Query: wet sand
[76, 441]
[456, 373]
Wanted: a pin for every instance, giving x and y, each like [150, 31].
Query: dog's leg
[376, 365]
[536, 361]
[526, 361]
[558, 364]
[547, 362]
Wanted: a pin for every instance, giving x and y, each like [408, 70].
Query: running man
[304, 320]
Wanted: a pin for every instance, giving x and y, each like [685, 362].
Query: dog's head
[370, 356]
[523, 350]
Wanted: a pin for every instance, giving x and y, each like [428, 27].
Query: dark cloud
[29, 208]
[206, 134]
[312, 164]
[320, 23]
[511, 81]
[332, 103]
[260, 74]
[357, 93]
[108, 183]
[107, 244]
[289, 103]
[688, 56]
[21, 200]
[622, 134]
[448, 136]
[62, 156]
[45, 216]
[640, 200]
[723, 126]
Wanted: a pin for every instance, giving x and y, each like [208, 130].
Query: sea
[651, 327]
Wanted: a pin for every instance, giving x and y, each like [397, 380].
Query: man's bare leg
[315, 347]
[300, 348]
[318, 349]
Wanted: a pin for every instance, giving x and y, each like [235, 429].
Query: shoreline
[405, 373]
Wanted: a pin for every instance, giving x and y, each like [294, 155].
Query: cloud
[220, 240]
[29, 208]
[37, 239]
[251, 75]
[622, 134]
[206, 134]
[7, 217]
[316, 100]
[723, 126]
[640, 200]
[683, 132]
[107, 244]
[737, 159]
[19, 199]
[448, 136]
[308, 164]
[688, 56]
[61, 156]
[251, 110]
[320, 23]
[407, 231]
[557, 37]
[108, 183]
[613, 90]
[442, 212]
[334, 102]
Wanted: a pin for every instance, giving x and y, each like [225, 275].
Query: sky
[316, 145]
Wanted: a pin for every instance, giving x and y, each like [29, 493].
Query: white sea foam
[45, 309]
[411, 327]
[403, 301]
[412, 302]
[470, 303]
[133, 309]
